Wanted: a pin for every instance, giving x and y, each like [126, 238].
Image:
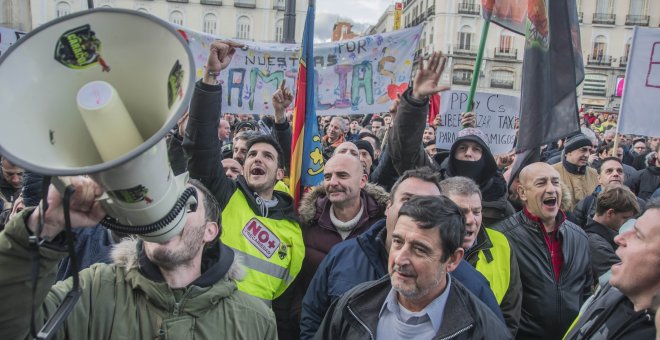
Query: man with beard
[610, 173]
[182, 288]
[553, 256]
[261, 223]
[624, 308]
[573, 169]
[419, 299]
[487, 250]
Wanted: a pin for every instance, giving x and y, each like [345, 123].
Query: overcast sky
[361, 13]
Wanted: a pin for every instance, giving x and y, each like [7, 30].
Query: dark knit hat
[575, 142]
[364, 145]
[251, 125]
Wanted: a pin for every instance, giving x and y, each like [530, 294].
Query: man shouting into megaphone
[181, 289]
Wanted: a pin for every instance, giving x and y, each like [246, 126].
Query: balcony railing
[580, 16]
[506, 53]
[179, 1]
[623, 62]
[604, 18]
[211, 2]
[245, 3]
[599, 60]
[501, 84]
[468, 8]
[430, 11]
[461, 81]
[465, 49]
[637, 20]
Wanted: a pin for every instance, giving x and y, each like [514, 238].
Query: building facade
[257, 20]
[454, 27]
[15, 14]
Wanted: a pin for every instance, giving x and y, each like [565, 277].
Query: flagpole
[477, 64]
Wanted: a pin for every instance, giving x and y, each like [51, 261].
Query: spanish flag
[306, 153]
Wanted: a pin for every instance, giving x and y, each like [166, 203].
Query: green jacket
[118, 300]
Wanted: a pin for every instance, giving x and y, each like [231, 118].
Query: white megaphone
[95, 93]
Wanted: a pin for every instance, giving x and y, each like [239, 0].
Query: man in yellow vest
[259, 222]
[487, 250]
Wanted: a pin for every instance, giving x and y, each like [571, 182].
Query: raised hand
[220, 54]
[427, 77]
[282, 98]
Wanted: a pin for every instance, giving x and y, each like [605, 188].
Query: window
[595, 85]
[279, 31]
[423, 42]
[600, 47]
[176, 17]
[506, 43]
[604, 6]
[462, 76]
[503, 79]
[210, 23]
[431, 34]
[243, 28]
[465, 38]
[62, 8]
[637, 7]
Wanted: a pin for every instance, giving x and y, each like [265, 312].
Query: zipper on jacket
[371, 334]
[178, 304]
[457, 333]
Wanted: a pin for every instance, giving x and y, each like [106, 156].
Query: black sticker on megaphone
[79, 48]
[174, 81]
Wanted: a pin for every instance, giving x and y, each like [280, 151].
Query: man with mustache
[344, 207]
[574, 170]
[419, 299]
[553, 256]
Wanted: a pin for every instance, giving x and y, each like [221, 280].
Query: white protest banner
[496, 117]
[8, 37]
[640, 112]
[357, 76]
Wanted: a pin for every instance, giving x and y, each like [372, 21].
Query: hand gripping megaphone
[95, 93]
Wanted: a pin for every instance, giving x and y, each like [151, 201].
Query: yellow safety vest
[497, 271]
[272, 251]
[281, 186]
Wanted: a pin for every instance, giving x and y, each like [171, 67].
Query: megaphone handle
[61, 183]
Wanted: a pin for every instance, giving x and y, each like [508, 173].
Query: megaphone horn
[95, 93]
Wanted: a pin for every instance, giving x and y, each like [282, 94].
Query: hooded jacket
[644, 182]
[493, 187]
[128, 299]
[320, 235]
[407, 152]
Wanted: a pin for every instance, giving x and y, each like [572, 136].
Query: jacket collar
[366, 306]
[315, 206]
[220, 267]
[483, 243]
[603, 231]
[574, 169]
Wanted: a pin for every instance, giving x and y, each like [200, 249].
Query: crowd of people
[400, 240]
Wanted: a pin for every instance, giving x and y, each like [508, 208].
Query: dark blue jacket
[363, 259]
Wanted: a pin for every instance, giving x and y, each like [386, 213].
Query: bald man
[553, 256]
[344, 207]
